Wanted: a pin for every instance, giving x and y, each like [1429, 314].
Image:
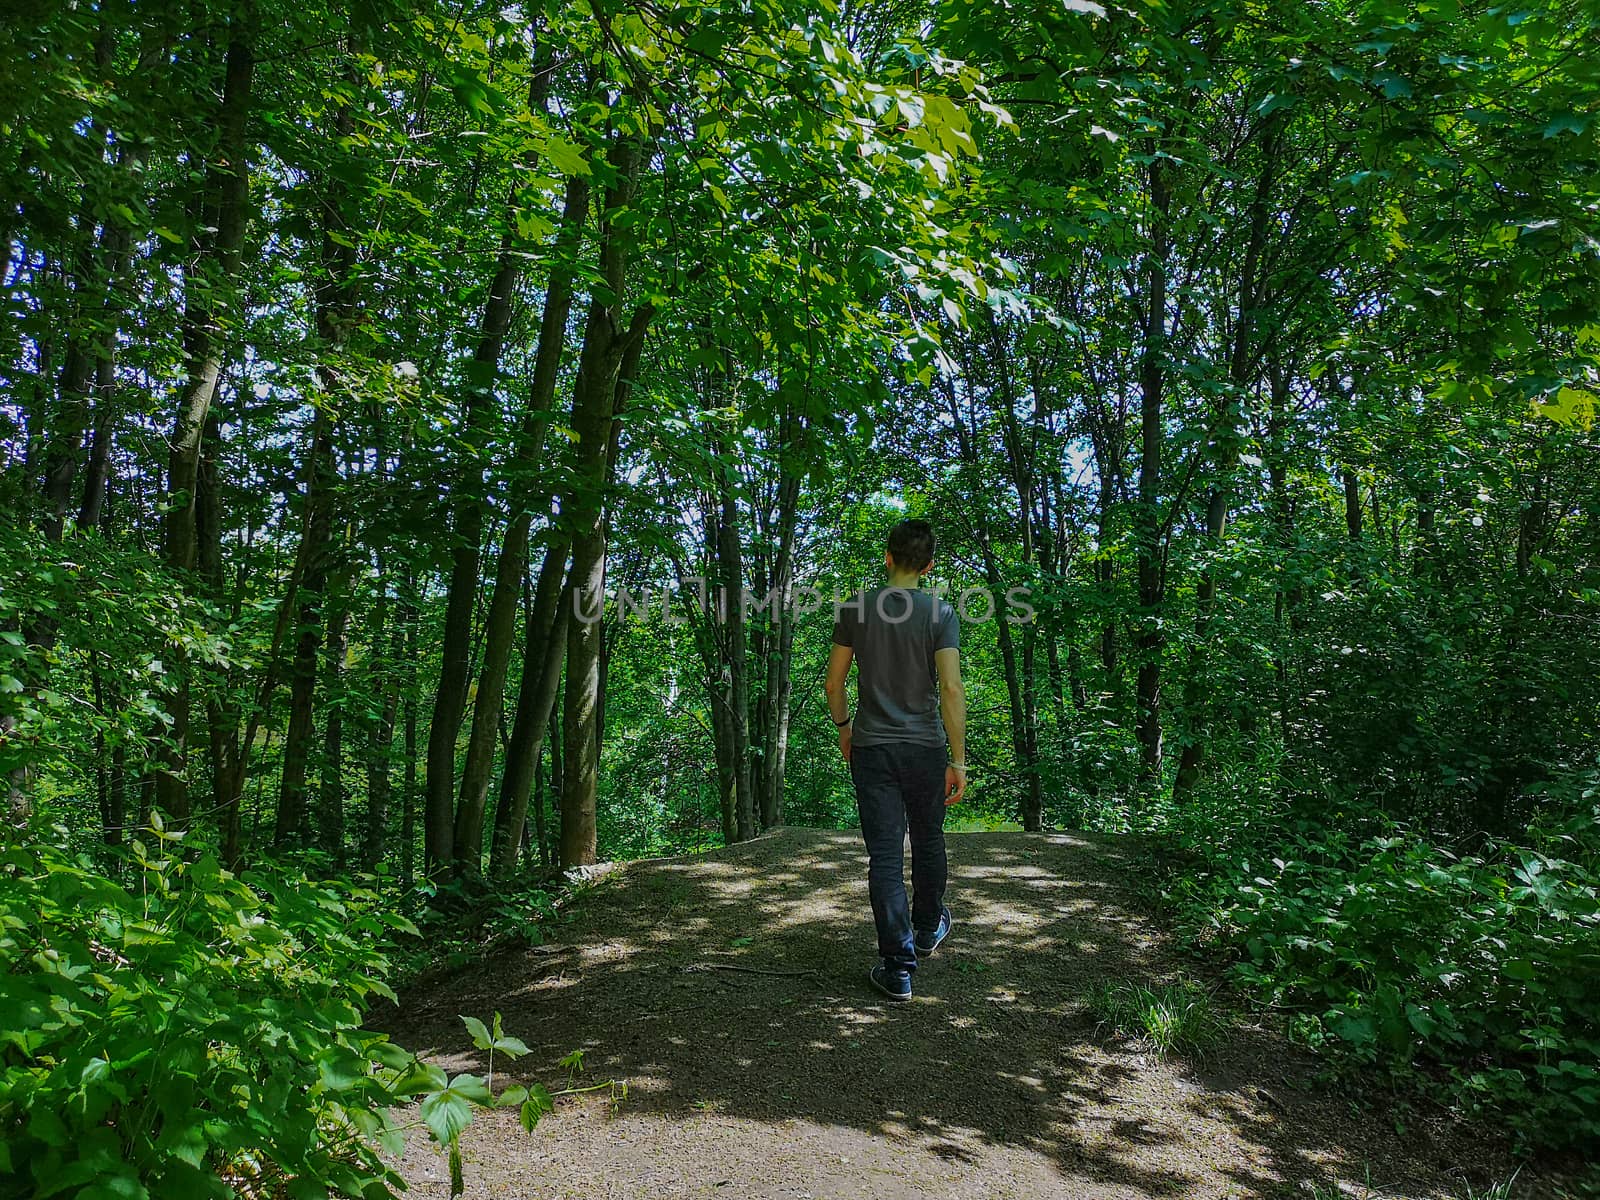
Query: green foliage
[88, 634]
[1174, 1018]
[180, 1031]
[461, 923]
[1397, 952]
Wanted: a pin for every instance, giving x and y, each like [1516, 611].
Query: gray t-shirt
[894, 633]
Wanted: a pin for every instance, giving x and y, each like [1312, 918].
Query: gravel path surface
[994, 1082]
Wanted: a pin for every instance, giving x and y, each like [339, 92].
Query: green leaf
[539, 1102]
[446, 1114]
[423, 1077]
[511, 1047]
[383, 1051]
[1421, 1021]
[1573, 123]
[1395, 87]
[1573, 408]
[565, 157]
[1357, 1029]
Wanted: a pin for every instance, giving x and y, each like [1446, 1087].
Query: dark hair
[911, 545]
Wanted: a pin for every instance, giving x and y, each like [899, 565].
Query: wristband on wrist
[839, 724]
[959, 766]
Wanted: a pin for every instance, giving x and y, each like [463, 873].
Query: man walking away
[905, 642]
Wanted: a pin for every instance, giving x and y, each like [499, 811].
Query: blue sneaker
[894, 984]
[927, 943]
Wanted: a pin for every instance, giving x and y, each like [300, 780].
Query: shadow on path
[993, 1082]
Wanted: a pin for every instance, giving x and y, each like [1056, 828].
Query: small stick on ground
[716, 966]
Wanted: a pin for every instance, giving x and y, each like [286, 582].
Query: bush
[1396, 951]
[198, 1034]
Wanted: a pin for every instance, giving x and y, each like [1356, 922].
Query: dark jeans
[899, 783]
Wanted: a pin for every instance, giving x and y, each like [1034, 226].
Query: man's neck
[904, 579]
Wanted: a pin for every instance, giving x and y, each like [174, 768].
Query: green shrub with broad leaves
[184, 1032]
[1397, 952]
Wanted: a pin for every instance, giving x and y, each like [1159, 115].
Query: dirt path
[993, 1082]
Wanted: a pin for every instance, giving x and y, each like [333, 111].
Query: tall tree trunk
[222, 717]
[527, 494]
[335, 297]
[1032, 795]
[1286, 596]
[468, 505]
[605, 342]
[730, 614]
[467, 509]
[1243, 365]
[780, 658]
[558, 774]
[967, 446]
[207, 287]
[97, 474]
[1024, 695]
[91, 304]
[726, 757]
[540, 833]
[292, 826]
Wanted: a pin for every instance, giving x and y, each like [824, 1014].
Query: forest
[393, 393]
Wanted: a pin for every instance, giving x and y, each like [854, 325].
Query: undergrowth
[175, 1030]
[1475, 977]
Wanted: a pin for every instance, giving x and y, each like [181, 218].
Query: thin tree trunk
[98, 472]
[558, 776]
[1151, 640]
[335, 313]
[468, 506]
[780, 655]
[380, 733]
[292, 827]
[331, 798]
[499, 635]
[730, 611]
[408, 812]
[1023, 694]
[90, 306]
[544, 642]
[540, 834]
[222, 718]
[117, 797]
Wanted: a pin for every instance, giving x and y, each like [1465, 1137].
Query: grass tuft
[1176, 1018]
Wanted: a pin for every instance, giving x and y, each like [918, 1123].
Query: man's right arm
[953, 708]
[833, 687]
